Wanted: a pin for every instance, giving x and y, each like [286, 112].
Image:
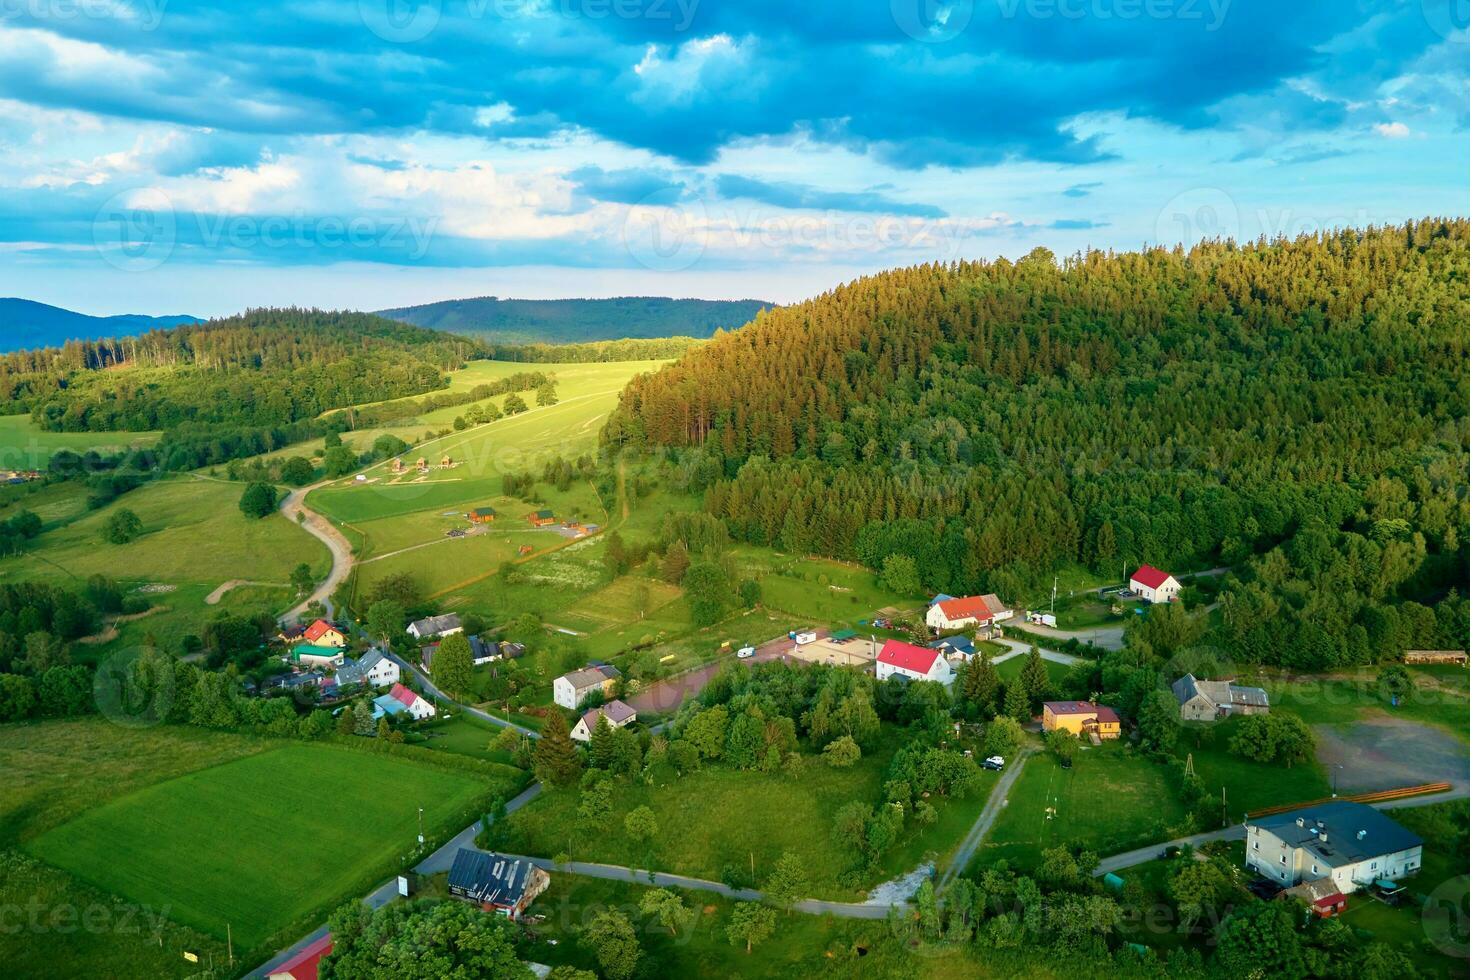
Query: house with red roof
[1152, 585]
[401, 701]
[906, 661]
[304, 965]
[1081, 718]
[323, 634]
[947, 614]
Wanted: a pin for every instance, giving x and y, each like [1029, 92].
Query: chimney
[1362, 834]
[1301, 822]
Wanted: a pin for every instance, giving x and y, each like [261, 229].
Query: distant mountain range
[26, 324]
[568, 321]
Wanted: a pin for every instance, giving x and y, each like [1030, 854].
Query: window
[1257, 845]
[1314, 867]
[1283, 859]
[1374, 865]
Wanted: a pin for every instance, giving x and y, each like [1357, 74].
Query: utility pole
[1053, 595]
[421, 828]
[230, 944]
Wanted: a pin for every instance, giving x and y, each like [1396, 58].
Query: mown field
[718, 818]
[24, 445]
[258, 843]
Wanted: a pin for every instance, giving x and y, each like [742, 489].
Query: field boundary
[1378, 796]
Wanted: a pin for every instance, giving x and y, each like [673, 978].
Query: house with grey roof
[619, 714]
[570, 690]
[495, 882]
[1338, 847]
[1212, 700]
[432, 626]
[372, 668]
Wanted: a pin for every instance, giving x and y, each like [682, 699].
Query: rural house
[401, 701]
[1435, 657]
[541, 518]
[427, 629]
[570, 690]
[1153, 585]
[481, 652]
[1337, 847]
[307, 655]
[1212, 700]
[483, 515]
[323, 634]
[947, 613]
[372, 668]
[617, 713]
[495, 882]
[1081, 718]
[955, 648]
[303, 966]
[906, 661]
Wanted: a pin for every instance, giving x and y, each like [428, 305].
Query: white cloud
[1392, 131]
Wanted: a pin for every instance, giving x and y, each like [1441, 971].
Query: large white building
[899, 659]
[570, 690]
[1153, 585]
[1338, 847]
[947, 613]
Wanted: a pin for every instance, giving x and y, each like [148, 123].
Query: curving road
[293, 506]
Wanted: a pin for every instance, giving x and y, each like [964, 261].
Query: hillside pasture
[262, 842]
[25, 445]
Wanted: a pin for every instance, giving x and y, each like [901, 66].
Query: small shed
[1435, 657]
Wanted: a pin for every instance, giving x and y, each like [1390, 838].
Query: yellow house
[1081, 718]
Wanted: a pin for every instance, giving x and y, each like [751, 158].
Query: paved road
[444, 699]
[994, 804]
[1102, 637]
[296, 511]
[1019, 648]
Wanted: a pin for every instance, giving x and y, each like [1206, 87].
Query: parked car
[995, 763]
[745, 653]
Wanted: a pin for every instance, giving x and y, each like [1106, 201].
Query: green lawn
[262, 842]
[464, 735]
[1111, 800]
[25, 445]
[1248, 785]
[1441, 697]
[1011, 669]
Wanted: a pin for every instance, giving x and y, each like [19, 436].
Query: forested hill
[25, 324]
[263, 368]
[1298, 408]
[572, 321]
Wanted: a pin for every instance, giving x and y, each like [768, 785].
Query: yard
[717, 821]
[1248, 785]
[1111, 800]
[264, 842]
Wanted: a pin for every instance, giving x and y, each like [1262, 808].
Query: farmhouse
[948, 613]
[483, 515]
[617, 713]
[427, 629]
[1153, 585]
[541, 518]
[303, 966]
[570, 690]
[400, 701]
[1081, 718]
[1435, 657]
[1340, 844]
[308, 655]
[908, 662]
[1212, 700]
[495, 882]
[323, 634]
[372, 668]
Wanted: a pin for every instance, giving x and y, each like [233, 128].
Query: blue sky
[166, 156]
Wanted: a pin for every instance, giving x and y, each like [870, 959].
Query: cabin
[617, 713]
[396, 467]
[541, 518]
[1152, 585]
[305, 963]
[1337, 847]
[435, 626]
[446, 462]
[483, 515]
[570, 690]
[422, 465]
[1081, 718]
[910, 663]
[495, 882]
[1213, 700]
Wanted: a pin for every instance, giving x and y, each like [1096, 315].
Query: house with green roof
[310, 655]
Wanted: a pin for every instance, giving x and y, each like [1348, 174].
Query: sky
[202, 157]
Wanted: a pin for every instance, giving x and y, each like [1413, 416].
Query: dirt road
[296, 511]
[665, 697]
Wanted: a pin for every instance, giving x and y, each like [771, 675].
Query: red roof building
[324, 633]
[403, 695]
[912, 663]
[304, 965]
[1154, 585]
[1150, 576]
[972, 607]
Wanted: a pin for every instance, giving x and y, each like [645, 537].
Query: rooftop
[490, 878]
[906, 656]
[1340, 831]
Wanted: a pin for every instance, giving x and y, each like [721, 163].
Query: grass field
[1441, 697]
[260, 842]
[717, 818]
[1011, 669]
[24, 445]
[1109, 801]
[464, 735]
[1247, 785]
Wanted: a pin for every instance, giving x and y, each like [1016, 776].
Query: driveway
[994, 804]
[1103, 637]
[296, 511]
[1019, 648]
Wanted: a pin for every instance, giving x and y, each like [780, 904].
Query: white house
[947, 613]
[1154, 585]
[1338, 847]
[617, 713]
[899, 659]
[427, 629]
[372, 668]
[570, 690]
[400, 701]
